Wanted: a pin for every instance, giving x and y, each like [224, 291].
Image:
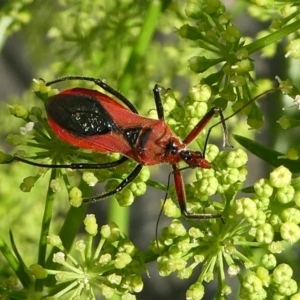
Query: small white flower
[59, 257]
[297, 101]
[27, 128]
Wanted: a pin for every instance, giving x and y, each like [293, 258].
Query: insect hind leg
[73, 166]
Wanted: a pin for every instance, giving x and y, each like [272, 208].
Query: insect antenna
[223, 120]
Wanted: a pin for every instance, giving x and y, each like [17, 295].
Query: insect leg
[224, 129]
[181, 197]
[159, 107]
[119, 188]
[73, 165]
[222, 121]
[202, 123]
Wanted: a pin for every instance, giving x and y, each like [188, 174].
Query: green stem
[273, 37]
[73, 221]
[6, 252]
[221, 273]
[16, 265]
[141, 46]
[4, 24]
[68, 231]
[117, 213]
[45, 228]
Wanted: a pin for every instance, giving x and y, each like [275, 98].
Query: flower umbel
[250, 222]
[113, 267]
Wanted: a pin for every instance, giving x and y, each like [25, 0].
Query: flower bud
[75, 196]
[200, 92]
[290, 232]
[18, 111]
[280, 177]
[38, 271]
[91, 226]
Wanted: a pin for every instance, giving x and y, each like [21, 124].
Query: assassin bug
[89, 119]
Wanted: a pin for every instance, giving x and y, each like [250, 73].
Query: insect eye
[174, 149]
[171, 148]
[186, 155]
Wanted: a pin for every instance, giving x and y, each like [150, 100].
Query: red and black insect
[89, 119]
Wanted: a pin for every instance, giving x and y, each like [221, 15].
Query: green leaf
[269, 155]
[16, 263]
[21, 271]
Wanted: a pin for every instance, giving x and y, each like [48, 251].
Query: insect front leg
[181, 198]
[203, 122]
[159, 106]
